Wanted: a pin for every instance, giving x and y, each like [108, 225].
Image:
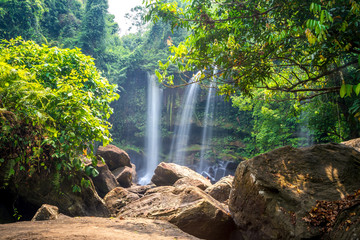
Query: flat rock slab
[93, 228]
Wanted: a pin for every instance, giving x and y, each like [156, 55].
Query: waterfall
[207, 127]
[182, 130]
[152, 138]
[304, 133]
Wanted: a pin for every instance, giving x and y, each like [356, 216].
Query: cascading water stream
[152, 139]
[207, 127]
[182, 131]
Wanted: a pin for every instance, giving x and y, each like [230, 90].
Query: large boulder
[354, 143]
[114, 157]
[94, 228]
[140, 190]
[273, 192]
[117, 198]
[40, 189]
[187, 207]
[166, 174]
[221, 189]
[105, 181]
[123, 176]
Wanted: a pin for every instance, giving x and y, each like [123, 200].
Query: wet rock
[187, 207]
[221, 189]
[273, 192]
[114, 157]
[166, 174]
[117, 198]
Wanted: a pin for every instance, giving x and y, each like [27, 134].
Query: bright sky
[119, 8]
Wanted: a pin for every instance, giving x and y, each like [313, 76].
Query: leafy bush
[54, 105]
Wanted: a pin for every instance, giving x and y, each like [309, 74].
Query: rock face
[93, 228]
[105, 181]
[166, 174]
[189, 208]
[221, 189]
[39, 190]
[117, 198]
[349, 220]
[272, 192]
[354, 143]
[114, 157]
[46, 212]
[123, 176]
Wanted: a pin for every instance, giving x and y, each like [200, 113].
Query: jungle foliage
[272, 59]
[54, 105]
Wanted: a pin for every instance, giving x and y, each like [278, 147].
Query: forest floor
[93, 228]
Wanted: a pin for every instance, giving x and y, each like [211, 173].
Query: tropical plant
[293, 46]
[54, 105]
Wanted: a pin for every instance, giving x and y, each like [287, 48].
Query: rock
[105, 181]
[273, 192]
[187, 207]
[94, 228]
[347, 225]
[39, 189]
[114, 157]
[124, 176]
[133, 173]
[140, 190]
[354, 143]
[166, 174]
[189, 182]
[46, 212]
[117, 198]
[221, 189]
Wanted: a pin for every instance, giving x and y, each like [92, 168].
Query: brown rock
[273, 192]
[221, 189]
[140, 190]
[94, 228]
[354, 143]
[166, 174]
[124, 176]
[114, 157]
[105, 181]
[117, 198]
[39, 189]
[189, 182]
[189, 208]
[46, 212]
[133, 173]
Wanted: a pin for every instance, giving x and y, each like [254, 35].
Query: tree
[94, 29]
[54, 105]
[293, 46]
[21, 18]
